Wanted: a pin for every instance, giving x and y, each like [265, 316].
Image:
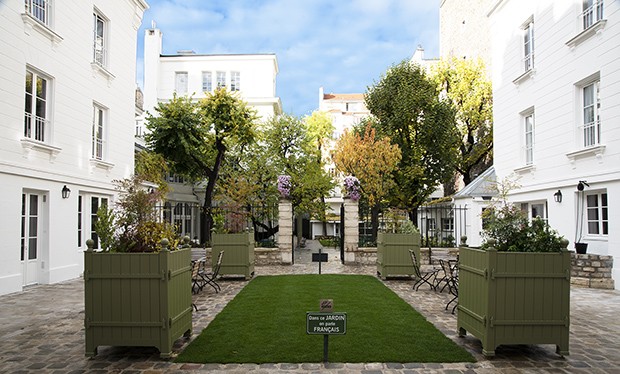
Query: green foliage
[152, 167]
[507, 228]
[104, 227]
[134, 225]
[468, 90]
[293, 152]
[407, 227]
[248, 331]
[408, 110]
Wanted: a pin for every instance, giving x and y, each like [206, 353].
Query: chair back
[416, 264]
[218, 264]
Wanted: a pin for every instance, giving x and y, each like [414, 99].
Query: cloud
[341, 45]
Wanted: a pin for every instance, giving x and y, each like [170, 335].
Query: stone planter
[514, 298]
[238, 250]
[137, 299]
[393, 257]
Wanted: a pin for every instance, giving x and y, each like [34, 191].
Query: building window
[591, 118]
[180, 82]
[447, 224]
[592, 12]
[597, 214]
[221, 79]
[528, 45]
[95, 203]
[36, 123]
[235, 81]
[207, 84]
[99, 39]
[40, 10]
[98, 140]
[528, 122]
[79, 222]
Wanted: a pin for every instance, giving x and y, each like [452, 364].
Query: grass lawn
[266, 323]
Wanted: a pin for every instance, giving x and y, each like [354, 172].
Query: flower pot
[137, 299]
[514, 297]
[581, 248]
[393, 258]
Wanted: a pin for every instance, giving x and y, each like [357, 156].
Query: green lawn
[266, 323]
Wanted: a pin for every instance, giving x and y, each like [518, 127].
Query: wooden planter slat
[514, 298]
[137, 299]
[393, 257]
[238, 256]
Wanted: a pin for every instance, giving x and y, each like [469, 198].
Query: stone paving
[42, 331]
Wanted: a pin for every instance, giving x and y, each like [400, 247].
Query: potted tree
[234, 238]
[393, 245]
[137, 287]
[515, 289]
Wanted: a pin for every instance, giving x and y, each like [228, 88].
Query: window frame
[592, 12]
[220, 79]
[98, 132]
[528, 44]
[235, 81]
[40, 13]
[590, 121]
[207, 81]
[528, 137]
[100, 42]
[180, 87]
[38, 130]
[601, 220]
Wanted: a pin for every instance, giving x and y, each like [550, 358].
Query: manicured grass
[266, 323]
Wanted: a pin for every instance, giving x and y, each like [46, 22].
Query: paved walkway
[42, 331]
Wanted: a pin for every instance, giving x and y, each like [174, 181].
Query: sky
[342, 45]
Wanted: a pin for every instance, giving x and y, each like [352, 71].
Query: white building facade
[556, 83]
[67, 78]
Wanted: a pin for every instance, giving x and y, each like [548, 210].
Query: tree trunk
[374, 221]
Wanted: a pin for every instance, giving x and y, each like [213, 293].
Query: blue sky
[342, 45]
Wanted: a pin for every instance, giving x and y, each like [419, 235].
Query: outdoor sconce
[66, 192]
[558, 196]
[581, 185]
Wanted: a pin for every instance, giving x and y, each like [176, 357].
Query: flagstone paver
[42, 331]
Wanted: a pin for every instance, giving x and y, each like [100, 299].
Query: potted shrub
[237, 242]
[137, 287]
[393, 257]
[515, 289]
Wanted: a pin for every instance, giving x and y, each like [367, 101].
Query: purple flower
[284, 185]
[352, 187]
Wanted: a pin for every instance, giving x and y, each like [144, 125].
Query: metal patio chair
[211, 277]
[422, 278]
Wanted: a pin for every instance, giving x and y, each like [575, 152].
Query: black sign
[319, 257]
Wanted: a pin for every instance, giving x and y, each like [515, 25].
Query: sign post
[327, 324]
[319, 257]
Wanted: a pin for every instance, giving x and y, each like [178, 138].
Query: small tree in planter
[137, 290]
[516, 288]
[393, 245]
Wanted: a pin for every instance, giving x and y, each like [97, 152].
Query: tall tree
[287, 140]
[320, 130]
[466, 86]
[195, 136]
[371, 160]
[407, 107]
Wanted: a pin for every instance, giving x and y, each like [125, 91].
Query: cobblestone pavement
[42, 331]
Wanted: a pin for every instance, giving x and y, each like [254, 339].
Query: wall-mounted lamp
[557, 196]
[581, 185]
[66, 192]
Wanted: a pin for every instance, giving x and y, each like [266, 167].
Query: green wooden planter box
[137, 299]
[393, 257]
[514, 298]
[238, 256]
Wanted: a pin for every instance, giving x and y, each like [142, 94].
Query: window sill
[596, 151]
[529, 74]
[103, 71]
[101, 164]
[32, 23]
[29, 145]
[586, 34]
[525, 169]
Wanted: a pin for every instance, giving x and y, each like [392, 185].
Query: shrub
[134, 224]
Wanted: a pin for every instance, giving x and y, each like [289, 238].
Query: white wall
[552, 89]
[64, 55]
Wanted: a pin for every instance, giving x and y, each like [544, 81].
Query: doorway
[32, 243]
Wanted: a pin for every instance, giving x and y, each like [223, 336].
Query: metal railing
[39, 9]
[592, 14]
[36, 130]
